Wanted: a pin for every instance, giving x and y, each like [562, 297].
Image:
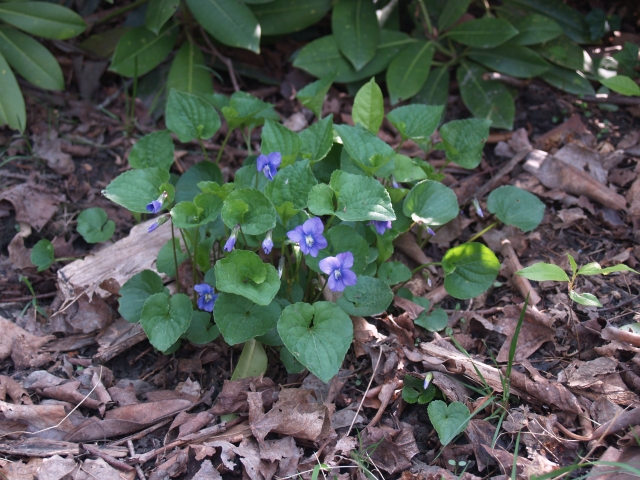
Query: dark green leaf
[393, 273]
[201, 330]
[139, 50]
[240, 319]
[189, 117]
[12, 109]
[134, 189]
[287, 16]
[563, 52]
[464, 140]
[417, 122]
[43, 19]
[431, 203]
[451, 12]
[189, 72]
[243, 273]
[409, 70]
[165, 318]
[470, 269]
[369, 296]
[278, 138]
[449, 421]
[571, 81]
[153, 150]
[514, 60]
[94, 226]
[166, 262]
[535, 29]
[312, 95]
[434, 322]
[158, 12]
[250, 209]
[42, 255]
[355, 28]
[135, 292]
[483, 32]
[187, 185]
[361, 199]
[517, 207]
[292, 184]
[317, 140]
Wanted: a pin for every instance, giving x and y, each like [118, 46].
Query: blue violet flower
[206, 298]
[339, 270]
[160, 221]
[231, 242]
[156, 205]
[268, 164]
[267, 243]
[381, 226]
[309, 236]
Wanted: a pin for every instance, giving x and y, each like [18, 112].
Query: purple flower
[430, 231]
[268, 164]
[206, 297]
[267, 243]
[231, 242]
[381, 226]
[338, 269]
[160, 221]
[153, 226]
[154, 207]
[394, 183]
[309, 236]
[478, 208]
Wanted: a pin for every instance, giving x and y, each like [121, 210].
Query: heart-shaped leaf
[165, 318]
[517, 207]
[240, 319]
[470, 269]
[449, 421]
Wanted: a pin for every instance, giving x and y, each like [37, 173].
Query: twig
[114, 462]
[373, 374]
[225, 60]
[132, 453]
[609, 98]
[499, 77]
[107, 101]
[143, 433]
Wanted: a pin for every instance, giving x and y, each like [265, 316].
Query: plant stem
[120, 11]
[427, 20]
[400, 144]
[413, 272]
[204, 150]
[224, 144]
[175, 257]
[483, 231]
[194, 262]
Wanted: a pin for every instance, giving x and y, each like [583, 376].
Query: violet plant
[301, 239]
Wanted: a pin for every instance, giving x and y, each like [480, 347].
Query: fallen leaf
[207, 472]
[34, 204]
[396, 447]
[233, 397]
[48, 146]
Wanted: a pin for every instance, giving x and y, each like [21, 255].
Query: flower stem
[483, 231]
[204, 150]
[224, 144]
[175, 257]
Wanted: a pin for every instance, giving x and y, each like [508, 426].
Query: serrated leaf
[292, 184]
[166, 261]
[153, 150]
[139, 50]
[514, 60]
[431, 203]
[622, 84]
[369, 296]
[165, 318]
[369, 151]
[409, 70]
[470, 269]
[250, 209]
[585, 299]
[134, 189]
[205, 208]
[312, 96]
[393, 273]
[201, 330]
[436, 321]
[135, 292]
[158, 12]
[515, 206]
[417, 122]
[189, 117]
[368, 107]
[317, 335]
[483, 32]
[570, 81]
[240, 319]
[187, 185]
[228, 21]
[43, 19]
[42, 255]
[485, 99]
[94, 226]
[360, 199]
[12, 108]
[280, 17]
[278, 138]
[464, 140]
[243, 273]
[323, 55]
[30, 59]
[541, 272]
[534, 29]
[449, 421]
[355, 27]
[317, 140]
[244, 110]
[189, 72]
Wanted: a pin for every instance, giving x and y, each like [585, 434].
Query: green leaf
[570, 81]
[135, 292]
[252, 362]
[586, 299]
[572, 263]
[43, 19]
[318, 336]
[464, 140]
[250, 209]
[482, 33]
[417, 122]
[228, 21]
[393, 273]
[534, 29]
[360, 199]
[368, 107]
[189, 72]
[409, 70]
[312, 96]
[153, 150]
[187, 185]
[343, 239]
[369, 296]
[323, 55]
[134, 189]
[245, 110]
[321, 200]
[431, 203]
[470, 269]
[317, 140]
[94, 226]
[563, 52]
[413, 390]
[451, 12]
[243, 273]
[406, 169]
[595, 269]
[485, 99]
[355, 27]
[278, 138]
[165, 318]
[627, 59]
[622, 84]
[12, 109]
[30, 59]
[201, 330]
[204, 209]
[289, 361]
[370, 152]
[158, 12]
[517, 207]
[280, 17]
[449, 421]
[189, 117]
[541, 272]
[292, 184]
[240, 319]
[166, 263]
[139, 50]
[569, 19]
[434, 322]
[435, 91]
[42, 255]
[514, 60]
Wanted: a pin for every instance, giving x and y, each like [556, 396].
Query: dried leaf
[35, 205]
[233, 397]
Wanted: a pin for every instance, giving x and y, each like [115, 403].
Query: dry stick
[373, 374]
[143, 433]
[132, 453]
[225, 60]
[114, 462]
